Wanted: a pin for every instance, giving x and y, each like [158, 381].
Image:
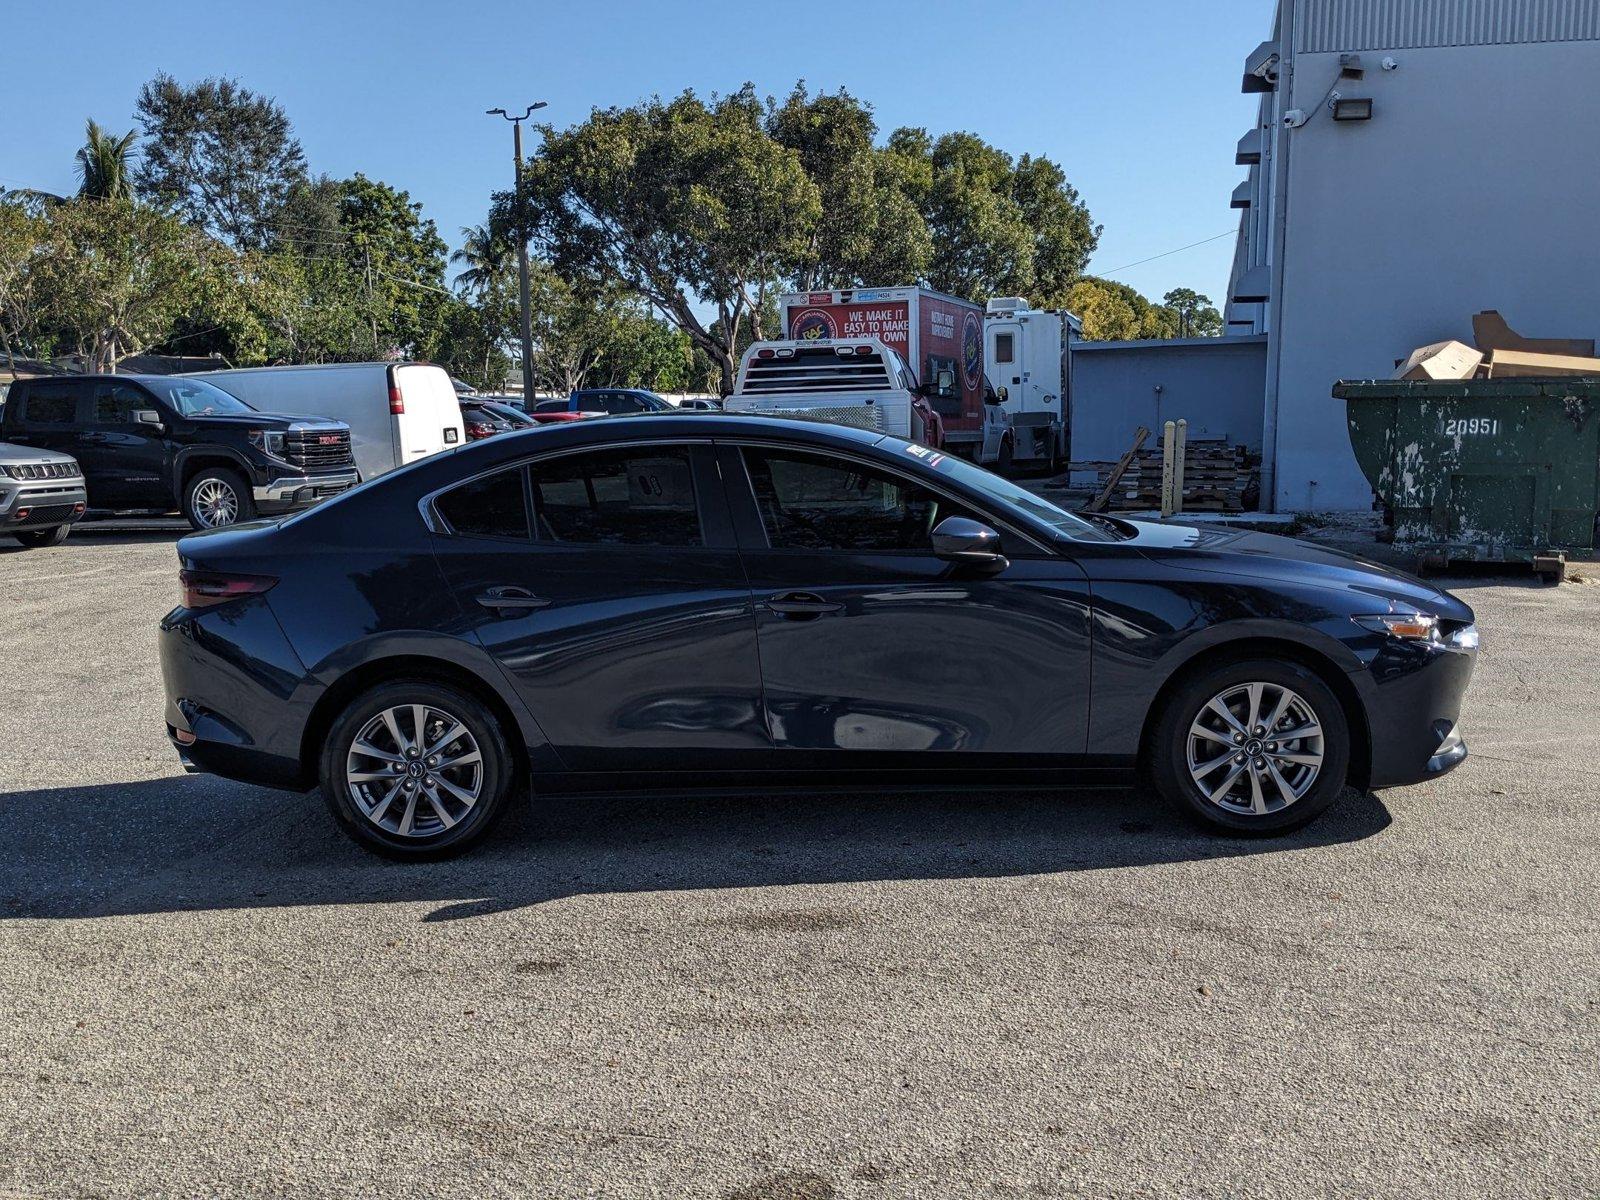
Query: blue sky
[1139, 100]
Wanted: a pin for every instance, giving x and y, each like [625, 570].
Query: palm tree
[485, 256]
[103, 163]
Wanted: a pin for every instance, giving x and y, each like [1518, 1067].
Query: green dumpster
[1503, 470]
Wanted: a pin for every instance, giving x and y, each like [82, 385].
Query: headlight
[1465, 638]
[270, 441]
[1411, 627]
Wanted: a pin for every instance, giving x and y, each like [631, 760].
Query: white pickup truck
[856, 381]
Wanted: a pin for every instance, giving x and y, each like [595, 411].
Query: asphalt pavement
[208, 991]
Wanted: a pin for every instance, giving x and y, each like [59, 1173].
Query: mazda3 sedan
[694, 602]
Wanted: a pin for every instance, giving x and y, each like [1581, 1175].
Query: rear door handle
[801, 605]
[512, 598]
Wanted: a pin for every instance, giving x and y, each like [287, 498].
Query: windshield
[1003, 491]
[196, 397]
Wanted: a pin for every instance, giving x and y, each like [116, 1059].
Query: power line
[1167, 254]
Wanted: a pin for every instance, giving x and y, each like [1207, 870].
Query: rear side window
[1004, 348]
[51, 404]
[627, 497]
[618, 403]
[494, 506]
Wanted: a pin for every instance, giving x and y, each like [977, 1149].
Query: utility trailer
[939, 337]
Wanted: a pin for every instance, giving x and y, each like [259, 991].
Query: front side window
[115, 403]
[51, 404]
[633, 496]
[196, 397]
[494, 506]
[813, 503]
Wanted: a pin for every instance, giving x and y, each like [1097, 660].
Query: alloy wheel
[215, 503]
[1255, 748]
[414, 770]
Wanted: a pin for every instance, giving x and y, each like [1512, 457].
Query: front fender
[181, 460]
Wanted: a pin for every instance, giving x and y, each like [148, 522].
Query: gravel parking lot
[209, 991]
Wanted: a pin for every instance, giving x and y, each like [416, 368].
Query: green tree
[117, 275]
[399, 258]
[103, 163]
[487, 259]
[687, 204]
[1108, 314]
[1195, 314]
[219, 155]
[22, 242]
[868, 232]
[999, 226]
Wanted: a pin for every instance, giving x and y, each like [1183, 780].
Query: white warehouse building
[1415, 161]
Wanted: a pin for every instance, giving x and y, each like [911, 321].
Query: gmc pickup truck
[166, 442]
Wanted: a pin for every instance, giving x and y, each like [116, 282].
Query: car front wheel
[416, 770]
[1252, 747]
[216, 497]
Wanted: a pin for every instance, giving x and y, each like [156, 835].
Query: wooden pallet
[1216, 478]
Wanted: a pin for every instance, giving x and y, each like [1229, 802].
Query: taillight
[477, 430]
[397, 402]
[203, 589]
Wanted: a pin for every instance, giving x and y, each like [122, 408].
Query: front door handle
[512, 598]
[801, 605]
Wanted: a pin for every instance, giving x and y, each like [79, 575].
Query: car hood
[1267, 556]
[267, 420]
[12, 455]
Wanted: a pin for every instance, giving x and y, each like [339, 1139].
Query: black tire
[36, 538]
[378, 828]
[200, 488]
[1169, 749]
[1003, 462]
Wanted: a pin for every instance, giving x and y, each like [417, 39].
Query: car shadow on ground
[91, 535]
[194, 843]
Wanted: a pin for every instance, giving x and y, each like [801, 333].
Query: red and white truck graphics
[940, 338]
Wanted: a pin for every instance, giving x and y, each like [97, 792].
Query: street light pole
[524, 288]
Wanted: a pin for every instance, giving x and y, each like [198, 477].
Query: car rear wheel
[35, 538]
[216, 497]
[416, 770]
[1252, 747]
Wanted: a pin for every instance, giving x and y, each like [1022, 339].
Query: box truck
[1028, 411]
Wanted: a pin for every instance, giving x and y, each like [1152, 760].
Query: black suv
[165, 442]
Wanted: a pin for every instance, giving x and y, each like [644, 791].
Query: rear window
[51, 404]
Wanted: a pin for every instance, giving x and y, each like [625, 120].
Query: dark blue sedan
[697, 601]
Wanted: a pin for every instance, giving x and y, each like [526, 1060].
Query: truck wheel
[215, 497]
[1002, 464]
[35, 538]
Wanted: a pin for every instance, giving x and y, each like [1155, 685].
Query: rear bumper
[233, 699]
[297, 491]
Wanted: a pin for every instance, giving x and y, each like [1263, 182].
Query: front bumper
[1413, 702]
[36, 505]
[297, 491]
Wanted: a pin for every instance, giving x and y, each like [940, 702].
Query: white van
[397, 412]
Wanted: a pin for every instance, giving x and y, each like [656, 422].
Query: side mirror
[995, 395]
[945, 381]
[969, 543]
[147, 416]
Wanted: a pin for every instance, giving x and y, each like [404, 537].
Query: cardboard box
[1442, 360]
[1490, 332]
[1521, 364]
